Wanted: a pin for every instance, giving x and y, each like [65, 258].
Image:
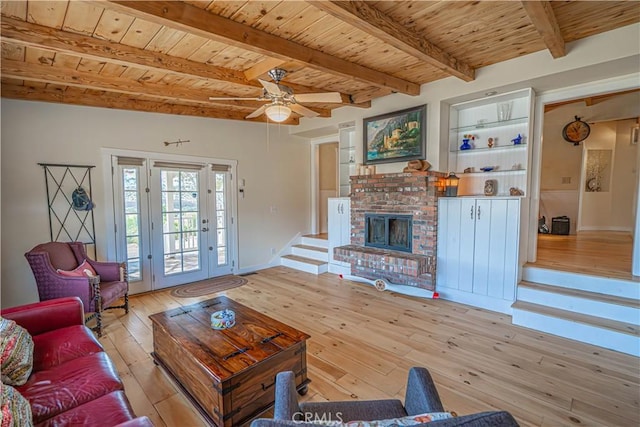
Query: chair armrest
[46, 316]
[421, 395]
[286, 405]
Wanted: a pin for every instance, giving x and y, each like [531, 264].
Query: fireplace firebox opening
[388, 231]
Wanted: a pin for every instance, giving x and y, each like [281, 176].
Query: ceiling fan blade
[326, 97]
[257, 113]
[214, 98]
[303, 110]
[272, 88]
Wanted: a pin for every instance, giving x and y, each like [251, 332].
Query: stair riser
[312, 241]
[302, 266]
[607, 338]
[605, 310]
[307, 253]
[602, 285]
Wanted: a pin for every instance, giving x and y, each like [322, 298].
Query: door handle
[471, 213]
[479, 212]
[205, 229]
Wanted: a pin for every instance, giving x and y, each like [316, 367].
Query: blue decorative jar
[517, 140]
[465, 145]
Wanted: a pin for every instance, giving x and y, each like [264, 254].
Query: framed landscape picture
[395, 137]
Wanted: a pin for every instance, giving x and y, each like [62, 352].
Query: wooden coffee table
[228, 374]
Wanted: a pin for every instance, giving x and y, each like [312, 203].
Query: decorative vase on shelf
[517, 140]
[465, 145]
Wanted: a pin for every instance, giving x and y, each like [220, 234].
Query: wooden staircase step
[312, 248]
[303, 259]
[578, 293]
[597, 322]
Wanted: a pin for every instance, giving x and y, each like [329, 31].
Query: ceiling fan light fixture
[278, 112]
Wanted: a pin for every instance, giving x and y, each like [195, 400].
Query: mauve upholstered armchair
[421, 397]
[96, 294]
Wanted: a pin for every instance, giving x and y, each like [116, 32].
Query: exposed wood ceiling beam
[69, 77]
[33, 35]
[375, 23]
[541, 15]
[111, 100]
[589, 101]
[28, 34]
[262, 67]
[203, 23]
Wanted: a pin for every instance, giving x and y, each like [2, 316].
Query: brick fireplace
[412, 195]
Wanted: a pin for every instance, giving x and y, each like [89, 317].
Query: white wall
[625, 176]
[596, 207]
[275, 167]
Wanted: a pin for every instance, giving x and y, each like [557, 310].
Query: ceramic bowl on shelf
[487, 168]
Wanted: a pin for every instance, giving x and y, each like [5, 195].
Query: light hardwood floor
[597, 253]
[363, 342]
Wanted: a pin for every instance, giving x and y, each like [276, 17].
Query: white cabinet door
[339, 212]
[478, 247]
[481, 252]
[467, 241]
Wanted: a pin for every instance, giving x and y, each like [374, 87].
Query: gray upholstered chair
[421, 397]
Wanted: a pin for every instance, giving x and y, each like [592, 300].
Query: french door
[173, 221]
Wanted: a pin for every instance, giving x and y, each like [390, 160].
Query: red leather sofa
[73, 381]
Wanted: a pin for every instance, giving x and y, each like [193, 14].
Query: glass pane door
[132, 224]
[220, 249]
[178, 252]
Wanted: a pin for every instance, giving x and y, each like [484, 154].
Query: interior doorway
[593, 184]
[327, 181]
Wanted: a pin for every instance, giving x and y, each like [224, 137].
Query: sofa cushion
[112, 291]
[70, 384]
[107, 410]
[15, 409]
[64, 344]
[16, 352]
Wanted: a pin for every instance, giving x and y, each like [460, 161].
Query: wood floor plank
[364, 341]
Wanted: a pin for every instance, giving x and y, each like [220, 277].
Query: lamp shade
[451, 185]
[278, 112]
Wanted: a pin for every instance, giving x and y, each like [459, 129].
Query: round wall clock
[576, 131]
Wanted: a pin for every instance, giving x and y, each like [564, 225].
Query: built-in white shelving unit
[502, 118]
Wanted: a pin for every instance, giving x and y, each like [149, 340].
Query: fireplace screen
[388, 231]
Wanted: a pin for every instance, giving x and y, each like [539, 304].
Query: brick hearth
[414, 193]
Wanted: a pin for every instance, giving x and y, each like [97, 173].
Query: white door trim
[574, 92]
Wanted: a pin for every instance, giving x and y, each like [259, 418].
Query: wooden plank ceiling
[170, 56]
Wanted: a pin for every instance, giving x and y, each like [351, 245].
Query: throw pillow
[16, 353]
[15, 410]
[83, 270]
[409, 420]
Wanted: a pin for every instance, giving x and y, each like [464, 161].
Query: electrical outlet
[273, 210]
[566, 180]
[273, 251]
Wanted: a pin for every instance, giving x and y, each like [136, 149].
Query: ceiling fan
[282, 99]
